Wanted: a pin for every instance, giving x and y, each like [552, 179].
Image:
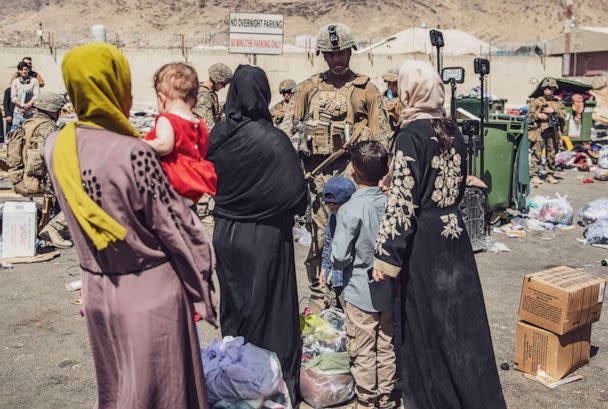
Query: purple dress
[139, 294]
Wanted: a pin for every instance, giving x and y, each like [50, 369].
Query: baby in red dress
[178, 137]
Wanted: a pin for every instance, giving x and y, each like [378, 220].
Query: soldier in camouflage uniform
[208, 105]
[391, 104]
[27, 169]
[279, 110]
[542, 134]
[329, 109]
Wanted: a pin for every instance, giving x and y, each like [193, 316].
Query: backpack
[26, 166]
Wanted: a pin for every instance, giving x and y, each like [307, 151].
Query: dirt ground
[45, 360]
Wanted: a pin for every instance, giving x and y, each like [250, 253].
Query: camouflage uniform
[279, 111]
[541, 134]
[387, 105]
[324, 117]
[208, 108]
[27, 169]
[208, 105]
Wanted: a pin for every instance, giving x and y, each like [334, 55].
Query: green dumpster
[506, 162]
[473, 105]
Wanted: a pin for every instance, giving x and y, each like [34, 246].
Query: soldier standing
[330, 110]
[279, 110]
[391, 104]
[26, 159]
[546, 115]
[208, 104]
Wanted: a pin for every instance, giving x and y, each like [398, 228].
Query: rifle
[555, 122]
[350, 142]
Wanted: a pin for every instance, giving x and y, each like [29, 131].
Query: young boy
[369, 316]
[336, 192]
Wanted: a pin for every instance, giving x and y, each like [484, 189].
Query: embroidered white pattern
[400, 206]
[448, 178]
[451, 229]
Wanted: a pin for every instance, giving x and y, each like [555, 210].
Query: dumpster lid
[569, 86]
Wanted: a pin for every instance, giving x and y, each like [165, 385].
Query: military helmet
[391, 75]
[335, 37]
[49, 101]
[287, 86]
[220, 73]
[549, 83]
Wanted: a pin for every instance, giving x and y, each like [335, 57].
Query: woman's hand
[476, 182]
[322, 278]
[378, 276]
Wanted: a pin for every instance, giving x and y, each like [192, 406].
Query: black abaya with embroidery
[447, 359]
[260, 189]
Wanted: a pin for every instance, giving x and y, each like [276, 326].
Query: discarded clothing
[330, 363]
[235, 371]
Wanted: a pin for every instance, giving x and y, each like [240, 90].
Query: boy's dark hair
[370, 161]
[22, 65]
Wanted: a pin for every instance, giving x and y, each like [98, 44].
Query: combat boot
[52, 235]
[535, 180]
[551, 179]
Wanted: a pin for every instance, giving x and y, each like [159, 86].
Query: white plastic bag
[594, 211]
[557, 211]
[603, 158]
[600, 174]
[321, 391]
[535, 203]
[597, 233]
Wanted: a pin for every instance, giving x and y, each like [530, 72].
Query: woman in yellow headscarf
[146, 258]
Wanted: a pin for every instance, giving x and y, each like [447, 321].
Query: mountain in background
[497, 21]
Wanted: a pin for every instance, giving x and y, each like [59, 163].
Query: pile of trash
[588, 158]
[243, 376]
[143, 119]
[549, 214]
[594, 216]
[325, 378]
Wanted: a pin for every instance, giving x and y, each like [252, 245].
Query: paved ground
[45, 359]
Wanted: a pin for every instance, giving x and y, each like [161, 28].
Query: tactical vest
[330, 113]
[25, 157]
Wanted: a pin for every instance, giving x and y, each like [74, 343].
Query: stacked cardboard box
[556, 310]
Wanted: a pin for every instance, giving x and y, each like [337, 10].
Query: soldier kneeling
[27, 170]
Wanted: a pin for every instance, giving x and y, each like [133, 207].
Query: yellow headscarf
[98, 80]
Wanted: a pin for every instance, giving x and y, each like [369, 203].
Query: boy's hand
[378, 276]
[322, 278]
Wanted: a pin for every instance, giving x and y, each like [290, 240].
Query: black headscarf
[258, 170]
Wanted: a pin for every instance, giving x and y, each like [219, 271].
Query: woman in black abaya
[447, 359]
[260, 189]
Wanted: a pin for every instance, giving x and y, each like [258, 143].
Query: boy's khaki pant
[369, 344]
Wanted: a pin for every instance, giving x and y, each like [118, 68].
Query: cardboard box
[561, 299]
[537, 350]
[19, 229]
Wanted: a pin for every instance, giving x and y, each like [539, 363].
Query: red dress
[190, 174]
